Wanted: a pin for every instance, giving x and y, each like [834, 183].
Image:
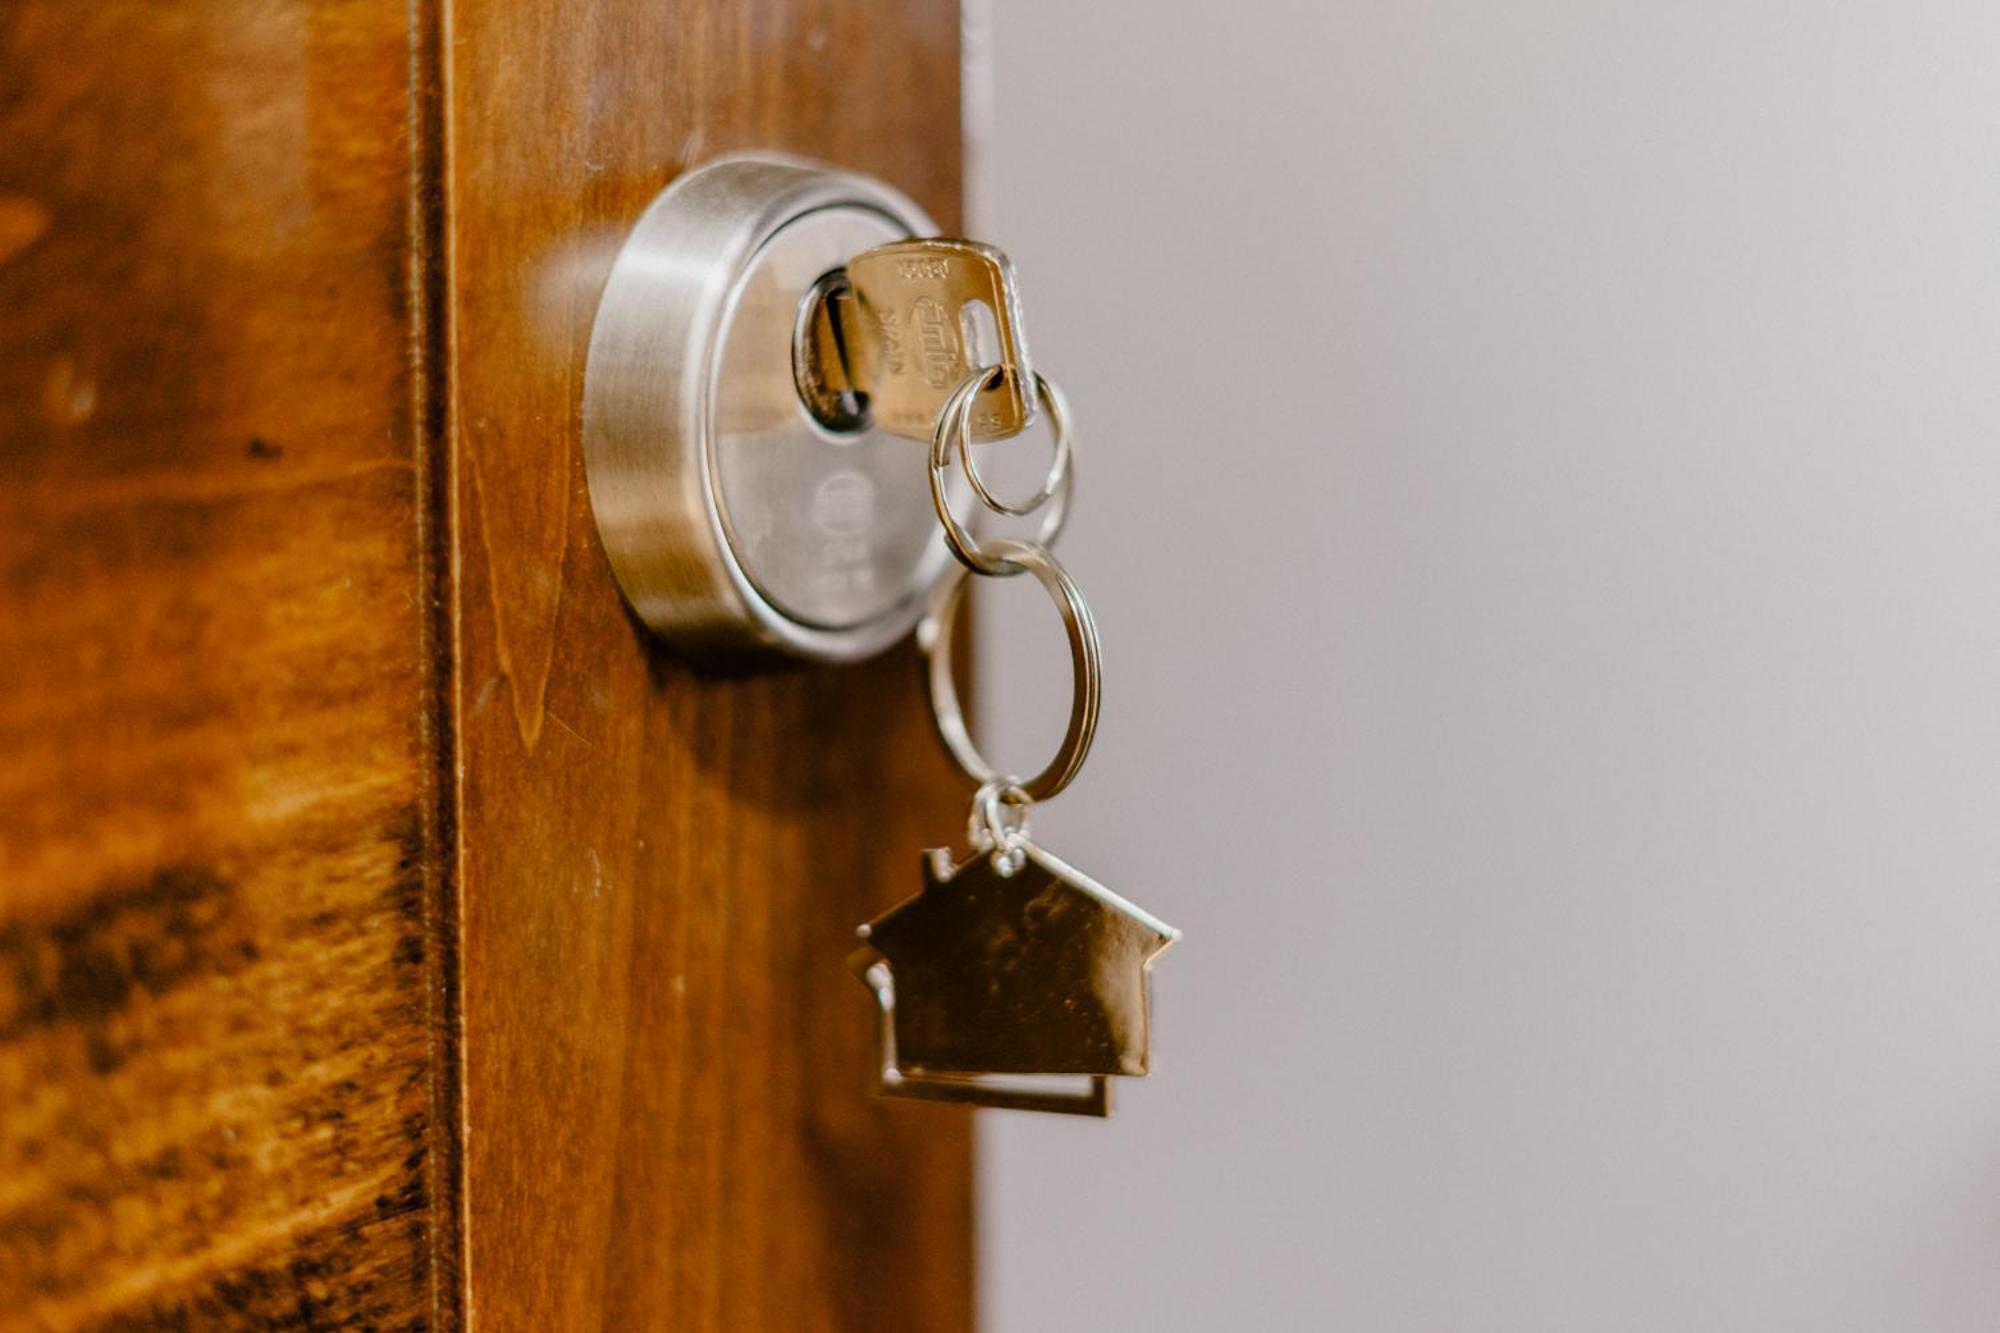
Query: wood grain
[668, 1068]
[219, 1072]
[329, 745]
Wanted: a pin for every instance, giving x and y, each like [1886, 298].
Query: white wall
[1540, 475]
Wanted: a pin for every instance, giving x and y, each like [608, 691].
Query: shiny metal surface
[1025, 972]
[1086, 661]
[737, 526]
[1055, 482]
[917, 331]
[1001, 823]
[952, 435]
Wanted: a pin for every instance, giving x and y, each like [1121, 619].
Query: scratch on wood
[581, 739]
[525, 643]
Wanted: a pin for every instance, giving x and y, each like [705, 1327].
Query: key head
[920, 335]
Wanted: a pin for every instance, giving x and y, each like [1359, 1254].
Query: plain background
[1539, 484]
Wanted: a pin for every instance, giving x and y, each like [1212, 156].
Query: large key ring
[1086, 660]
[954, 433]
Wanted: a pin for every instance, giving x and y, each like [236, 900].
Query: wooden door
[391, 934]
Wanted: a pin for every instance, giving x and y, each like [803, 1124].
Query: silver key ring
[1086, 660]
[954, 434]
[988, 830]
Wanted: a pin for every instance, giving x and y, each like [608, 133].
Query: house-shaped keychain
[1002, 971]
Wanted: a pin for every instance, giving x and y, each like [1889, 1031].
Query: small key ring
[1086, 662]
[987, 828]
[954, 432]
[956, 419]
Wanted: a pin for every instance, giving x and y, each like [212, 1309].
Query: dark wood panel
[217, 927]
[668, 1086]
[232, 647]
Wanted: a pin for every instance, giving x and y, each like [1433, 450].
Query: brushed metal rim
[648, 410]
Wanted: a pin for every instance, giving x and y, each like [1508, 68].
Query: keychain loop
[988, 829]
[1086, 659]
[956, 420]
[954, 434]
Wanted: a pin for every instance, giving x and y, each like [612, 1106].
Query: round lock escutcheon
[740, 528]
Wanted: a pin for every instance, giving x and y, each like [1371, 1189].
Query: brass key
[912, 337]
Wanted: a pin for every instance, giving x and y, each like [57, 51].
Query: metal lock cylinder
[739, 526]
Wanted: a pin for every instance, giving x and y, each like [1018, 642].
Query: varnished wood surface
[218, 1031]
[668, 1067]
[324, 731]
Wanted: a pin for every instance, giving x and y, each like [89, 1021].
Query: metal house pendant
[1012, 980]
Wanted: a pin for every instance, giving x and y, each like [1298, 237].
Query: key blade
[913, 298]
